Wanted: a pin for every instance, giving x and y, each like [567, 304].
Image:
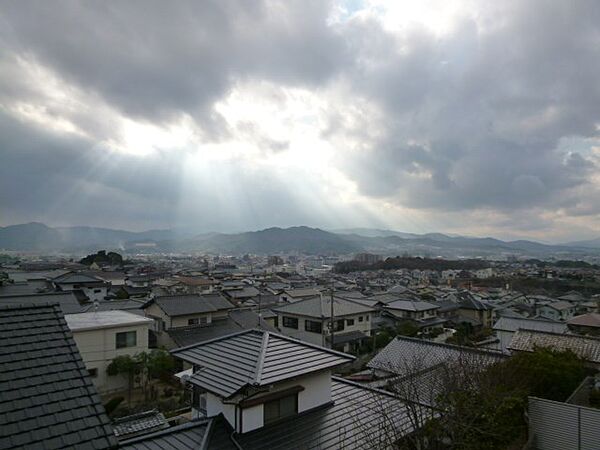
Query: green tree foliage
[103, 259]
[408, 328]
[157, 363]
[126, 366]
[484, 408]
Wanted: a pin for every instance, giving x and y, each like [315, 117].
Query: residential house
[475, 311]
[257, 390]
[310, 320]
[237, 320]
[176, 311]
[92, 287]
[560, 310]
[586, 347]
[294, 295]
[585, 324]
[423, 314]
[506, 327]
[103, 335]
[47, 399]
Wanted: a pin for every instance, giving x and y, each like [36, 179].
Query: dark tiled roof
[254, 358]
[320, 307]
[68, 302]
[359, 417]
[410, 305]
[514, 324]
[47, 400]
[189, 436]
[181, 305]
[236, 322]
[77, 278]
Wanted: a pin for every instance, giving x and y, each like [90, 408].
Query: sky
[471, 117]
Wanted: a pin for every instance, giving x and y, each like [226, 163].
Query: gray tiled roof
[254, 358]
[513, 324]
[47, 399]
[358, 418]
[236, 321]
[66, 300]
[77, 278]
[189, 436]
[404, 355]
[586, 347]
[320, 307]
[181, 305]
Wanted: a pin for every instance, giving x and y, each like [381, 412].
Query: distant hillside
[274, 240]
[592, 243]
[37, 237]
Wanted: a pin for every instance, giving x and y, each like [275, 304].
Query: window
[367, 318]
[290, 322]
[199, 400]
[338, 325]
[126, 339]
[313, 326]
[93, 372]
[280, 408]
[360, 318]
[193, 321]
[349, 322]
[97, 291]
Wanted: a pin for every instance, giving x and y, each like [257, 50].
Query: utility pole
[332, 323]
[259, 310]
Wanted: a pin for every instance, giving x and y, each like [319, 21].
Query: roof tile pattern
[180, 305]
[585, 347]
[47, 400]
[189, 436]
[254, 358]
[404, 355]
[320, 307]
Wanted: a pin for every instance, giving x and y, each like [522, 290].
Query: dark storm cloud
[469, 120]
[159, 59]
[487, 108]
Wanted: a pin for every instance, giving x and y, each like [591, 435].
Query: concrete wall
[98, 348]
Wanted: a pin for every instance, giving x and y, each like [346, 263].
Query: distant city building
[367, 258]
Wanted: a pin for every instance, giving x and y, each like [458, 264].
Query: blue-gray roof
[47, 400]
[68, 302]
[189, 436]
[254, 358]
[181, 305]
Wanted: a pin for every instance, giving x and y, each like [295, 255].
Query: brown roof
[586, 320]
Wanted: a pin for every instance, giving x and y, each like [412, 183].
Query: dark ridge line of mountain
[38, 237]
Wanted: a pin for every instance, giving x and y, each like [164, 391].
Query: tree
[479, 401]
[157, 363]
[126, 366]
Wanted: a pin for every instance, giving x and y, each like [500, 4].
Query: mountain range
[37, 237]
